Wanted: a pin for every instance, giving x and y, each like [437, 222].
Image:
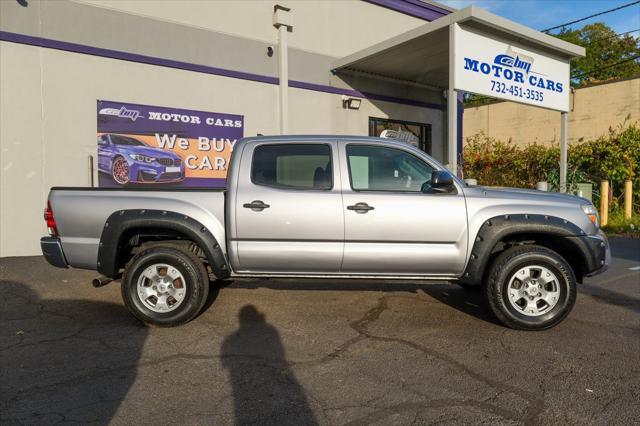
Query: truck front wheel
[530, 288]
[165, 286]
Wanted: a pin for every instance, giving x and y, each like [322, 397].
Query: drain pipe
[283, 21]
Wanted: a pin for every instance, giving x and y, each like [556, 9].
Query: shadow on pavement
[470, 302]
[264, 387]
[614, 298]
[64, 360]
[625, 248]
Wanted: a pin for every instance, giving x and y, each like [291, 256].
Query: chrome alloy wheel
[161, 288]
[120, 171]
[533, 290]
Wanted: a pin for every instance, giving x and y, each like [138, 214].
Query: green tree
[608, 55]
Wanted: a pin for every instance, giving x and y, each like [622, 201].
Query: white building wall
[329, 27]
[48, 121]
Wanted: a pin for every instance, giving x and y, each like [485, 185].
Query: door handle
[360, 207]
[256, 205]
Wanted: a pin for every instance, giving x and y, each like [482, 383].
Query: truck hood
[526, 194]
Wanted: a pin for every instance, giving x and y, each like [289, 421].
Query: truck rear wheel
[530, 288]
[165, 286]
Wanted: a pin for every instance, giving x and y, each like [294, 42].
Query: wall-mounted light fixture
[351, 103]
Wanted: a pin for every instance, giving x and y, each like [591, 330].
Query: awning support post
[564, 124]
[452, 130]
[452, 107]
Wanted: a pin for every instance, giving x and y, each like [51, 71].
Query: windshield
[124, 140]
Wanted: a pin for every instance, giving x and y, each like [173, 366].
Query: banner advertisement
[152, 146]
[504, 70]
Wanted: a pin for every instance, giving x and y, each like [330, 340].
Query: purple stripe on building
[367, 95]
[415, 8]
[170, 63]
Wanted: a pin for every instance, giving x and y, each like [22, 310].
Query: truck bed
[81, 213]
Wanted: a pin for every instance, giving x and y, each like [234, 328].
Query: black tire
[504, 268]
[187, 264]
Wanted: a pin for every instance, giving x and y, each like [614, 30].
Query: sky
[541, 14]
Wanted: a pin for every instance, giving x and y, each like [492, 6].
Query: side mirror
[441, 182]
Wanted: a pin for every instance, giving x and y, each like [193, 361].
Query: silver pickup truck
[328, 207]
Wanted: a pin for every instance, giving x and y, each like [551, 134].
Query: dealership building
[75, 74]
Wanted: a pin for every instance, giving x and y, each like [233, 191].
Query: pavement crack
[534, 404]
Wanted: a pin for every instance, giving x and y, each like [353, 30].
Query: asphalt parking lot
[315, 352]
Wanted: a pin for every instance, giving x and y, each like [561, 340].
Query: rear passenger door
[289, 215]
[391, 227]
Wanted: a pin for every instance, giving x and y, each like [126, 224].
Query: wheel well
[561, 245]
[134, 240]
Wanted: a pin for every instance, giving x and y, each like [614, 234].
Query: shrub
[614, 157]
[617, 224]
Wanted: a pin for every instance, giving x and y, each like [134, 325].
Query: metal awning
[422, 54]
[425, 56]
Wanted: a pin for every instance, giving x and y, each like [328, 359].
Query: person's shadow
[265, 390]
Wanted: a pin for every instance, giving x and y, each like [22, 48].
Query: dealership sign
[159, 146]
[504, 70]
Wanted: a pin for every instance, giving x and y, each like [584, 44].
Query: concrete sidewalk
[315, 352]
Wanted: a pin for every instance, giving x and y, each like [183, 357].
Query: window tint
[377, 168]
[300, 166]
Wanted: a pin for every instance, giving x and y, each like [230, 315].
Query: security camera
[269, 51]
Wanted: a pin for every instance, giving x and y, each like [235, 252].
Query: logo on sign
[518, 61]
[131, 114]
[513, 67]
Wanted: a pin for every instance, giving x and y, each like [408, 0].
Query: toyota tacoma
[330, 207]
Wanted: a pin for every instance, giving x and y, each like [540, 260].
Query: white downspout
[283, 21]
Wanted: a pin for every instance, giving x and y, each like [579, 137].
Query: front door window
[378, 168]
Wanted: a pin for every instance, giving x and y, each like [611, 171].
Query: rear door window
[293, 166]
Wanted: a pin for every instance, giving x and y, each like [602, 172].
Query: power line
[605, 67]
[615, 35]
[591, 16]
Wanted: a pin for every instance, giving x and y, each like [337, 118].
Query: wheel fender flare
[497, 228]
[119, 222]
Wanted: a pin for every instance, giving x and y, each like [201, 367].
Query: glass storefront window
[416, 134]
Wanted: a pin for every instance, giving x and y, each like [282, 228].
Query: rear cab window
[305, 166]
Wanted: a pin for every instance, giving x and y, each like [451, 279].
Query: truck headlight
[142, 158]
[592, 214]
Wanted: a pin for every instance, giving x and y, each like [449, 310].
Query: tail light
[51, 222]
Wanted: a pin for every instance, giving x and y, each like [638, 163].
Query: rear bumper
[52, 251]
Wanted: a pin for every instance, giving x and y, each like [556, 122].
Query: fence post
[628, 186]
[604, 202]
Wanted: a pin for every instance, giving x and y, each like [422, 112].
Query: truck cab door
[288, 209]
[391, 226]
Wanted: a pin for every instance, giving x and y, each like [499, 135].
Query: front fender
[498, 228]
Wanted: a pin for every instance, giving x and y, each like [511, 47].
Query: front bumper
[52, 251]
[155, 173]
[597, 253]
